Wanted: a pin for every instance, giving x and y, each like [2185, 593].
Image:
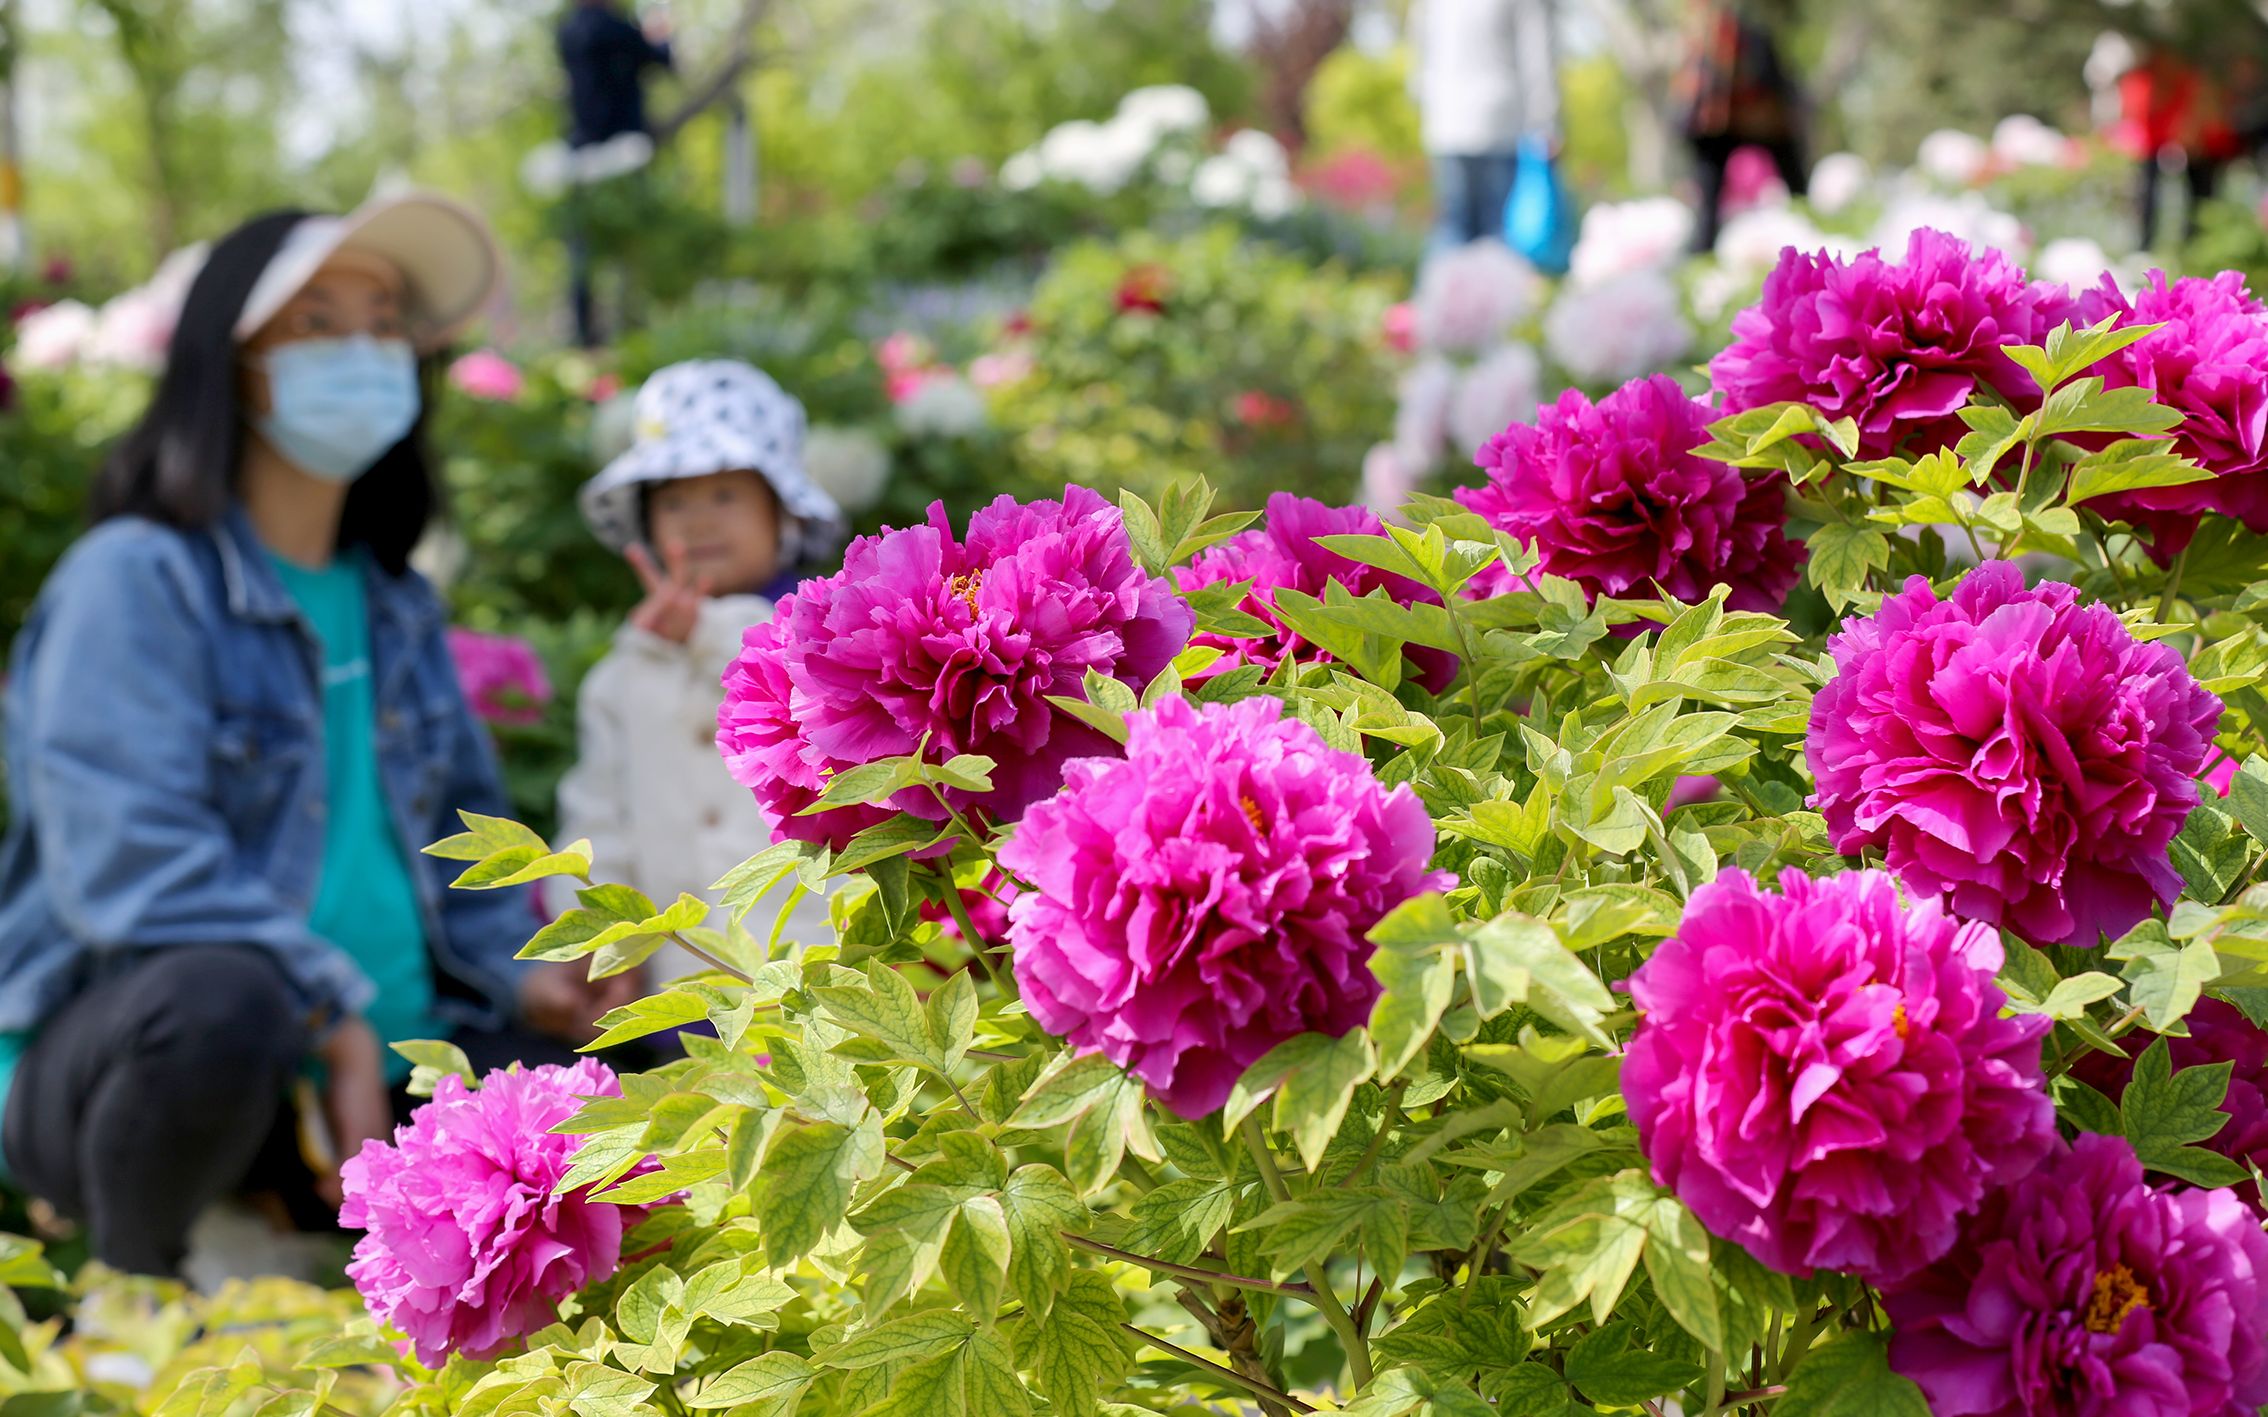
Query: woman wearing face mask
[232, 723]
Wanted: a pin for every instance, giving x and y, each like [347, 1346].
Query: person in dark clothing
[1735, 92]
[606, 58]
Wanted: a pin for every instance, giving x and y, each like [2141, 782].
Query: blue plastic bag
[1539, 216]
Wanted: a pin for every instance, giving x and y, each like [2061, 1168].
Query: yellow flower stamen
[964, 586]
[1252, 813]
[1898, 1022]
[2117, 1294]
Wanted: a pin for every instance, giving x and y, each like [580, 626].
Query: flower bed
[1382, 1020]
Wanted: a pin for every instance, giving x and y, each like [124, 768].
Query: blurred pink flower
[485, 374]
[902, 352]
[503, 677]
[1399, 327]
[605, 386]
[1007, 366]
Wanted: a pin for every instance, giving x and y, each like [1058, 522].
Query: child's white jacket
[649, 788]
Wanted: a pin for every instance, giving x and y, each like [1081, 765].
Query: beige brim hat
[447, 258]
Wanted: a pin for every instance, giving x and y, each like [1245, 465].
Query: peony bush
[1724, 917]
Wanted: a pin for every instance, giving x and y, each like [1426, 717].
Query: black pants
[1711, 155]
[2203, 176]
[163, 1088]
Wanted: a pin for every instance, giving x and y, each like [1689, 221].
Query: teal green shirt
[365, 900]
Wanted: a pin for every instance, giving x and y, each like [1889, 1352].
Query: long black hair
[178, 465]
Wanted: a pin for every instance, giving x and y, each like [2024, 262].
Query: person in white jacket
[1485, 75]
[715, 481]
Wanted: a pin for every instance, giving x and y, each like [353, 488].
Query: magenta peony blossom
[2210, 362]
[2014, 751]
[1613, 497]
[485, 374]
[2083, 1292]
[922, 636]
[1824, 1076]
[1898, 346]
[2221, 774]
[1210, 895]
[467, 1250]
[503, 676]
[2219, 1032]
[1282, 552]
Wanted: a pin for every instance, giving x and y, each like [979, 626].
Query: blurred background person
[1734, 91]
[2171, 110]
[606, 57]
[233, 724]
[1485, 74]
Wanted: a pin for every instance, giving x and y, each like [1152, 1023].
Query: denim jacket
[165, 757]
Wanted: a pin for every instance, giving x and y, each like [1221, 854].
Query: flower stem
[1188, 1271]
[1334, 1313]
[947, 890]
[1254, 1386]
[1387, 1121]
[2173, 585]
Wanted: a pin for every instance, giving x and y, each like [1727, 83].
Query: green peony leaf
[803, 1189]
[1517, 959]
[432, 1060]
[1608, 1367]
[766, 1386]
[1678, 1262]
[1842, 555]
[1078, 1348]
[2163, 1111]
[2163, 977]
[1849, 1376]
[1038, 1206]
[975, 1259]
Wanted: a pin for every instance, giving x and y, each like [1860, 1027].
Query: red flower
[1262, 410]
[1143, 288]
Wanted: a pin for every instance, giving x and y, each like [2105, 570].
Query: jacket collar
[256, 592]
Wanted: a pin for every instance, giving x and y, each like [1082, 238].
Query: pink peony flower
[1388, 479]
[1282, 552]
[1398, 327]
[467, 1250]
[2014, 751]
[902, 351]
[502, 675]
[2221, 774]
[2084, 1292]
[1897, 346]
[1008, 366]
[1468, 298]
[1752, 180]
[1823, 1075]
[485, 374]
[925, 637]
[1257, 408]
[1613, 497]
[1210, 895]
[2210, 362]
[605, 387]
[2219, 1032]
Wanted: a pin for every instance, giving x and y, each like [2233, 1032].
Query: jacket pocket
[260, 760]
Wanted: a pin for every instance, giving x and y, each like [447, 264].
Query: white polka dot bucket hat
[707, 416]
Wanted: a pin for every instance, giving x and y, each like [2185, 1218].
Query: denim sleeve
[119, 719]
[482, 930]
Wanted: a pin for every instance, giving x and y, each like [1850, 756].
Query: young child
[714, 484]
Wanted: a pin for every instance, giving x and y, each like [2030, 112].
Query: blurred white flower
[1953, 157]
[439, 555]
[1752, 241]
[1258, 151]
[1837, 180]
[1220, 181]
[1620, 237]
[2020, 140]
[1501, 390]
[1388, 478]
[1275, 197]
[1717, 288]
[1421, 417]
[2073, 261]
[1467, 298]
[54, 336]
[1022, 172]
[133, 330]
[1968, 216]
[1619, 329]
[946, 406]
[849, 465]
[1164, 110]
[120, 1369]
[1174, 166]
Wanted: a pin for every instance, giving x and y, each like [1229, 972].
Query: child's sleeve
[594, 796]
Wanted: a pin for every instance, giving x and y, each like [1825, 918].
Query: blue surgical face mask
[337, 405]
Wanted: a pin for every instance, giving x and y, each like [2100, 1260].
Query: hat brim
[446, 255]
[610, 501]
